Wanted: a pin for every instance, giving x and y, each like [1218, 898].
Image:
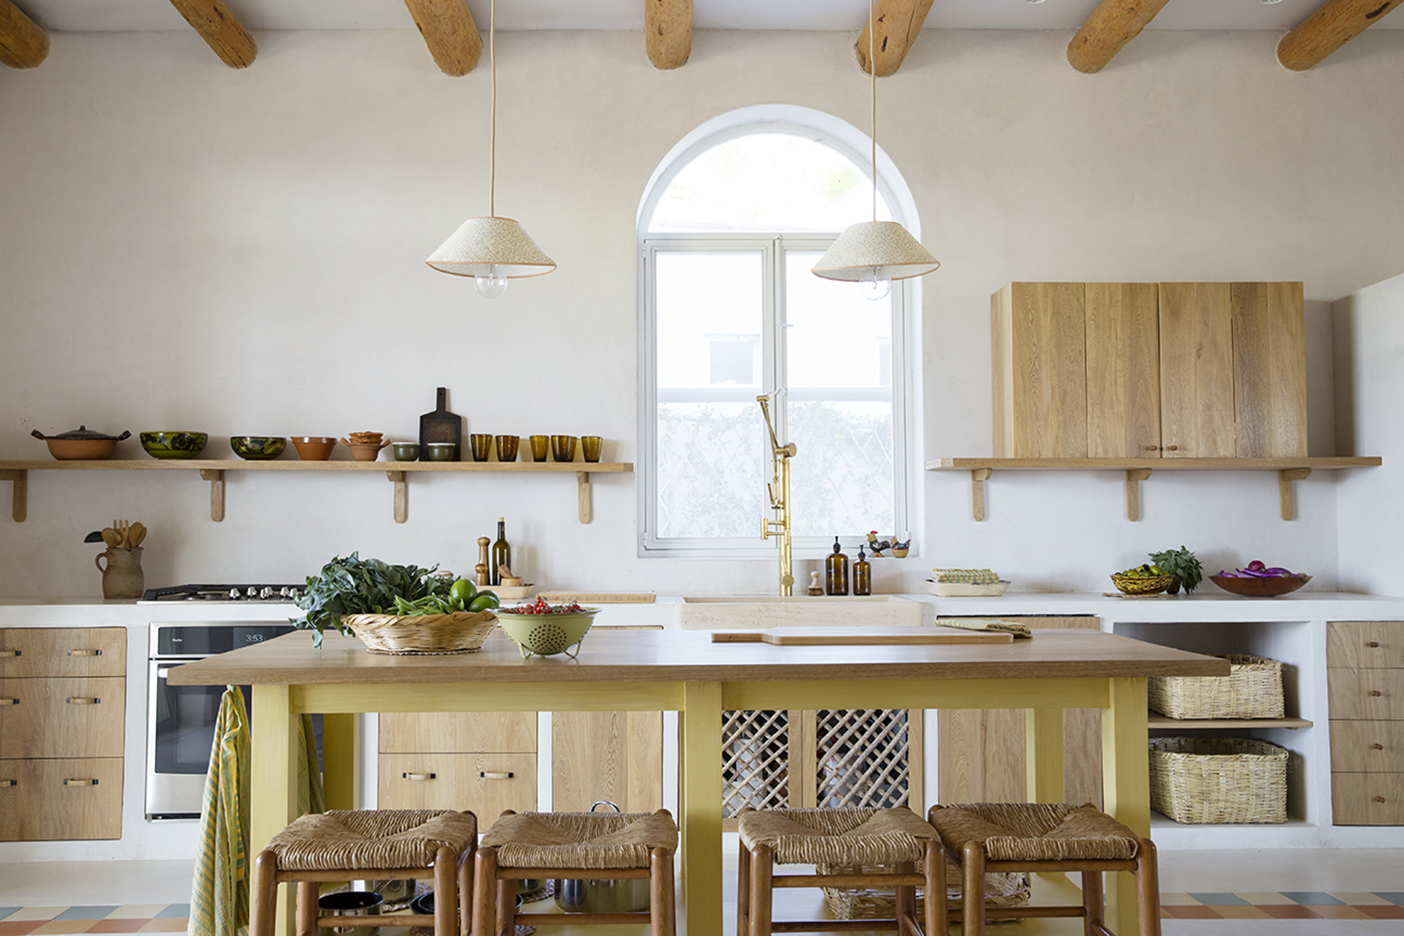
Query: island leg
[1125, 784]
[1043, 755]
[700, 822]
[272, 793]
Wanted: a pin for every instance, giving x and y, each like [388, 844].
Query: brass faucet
[779, 491]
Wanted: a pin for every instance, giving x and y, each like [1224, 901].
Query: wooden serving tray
[838, 636]
[553, 597]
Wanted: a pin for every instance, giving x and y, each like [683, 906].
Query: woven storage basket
[1211, 780]
[878, 903]
[1252, 690]
[459, 632]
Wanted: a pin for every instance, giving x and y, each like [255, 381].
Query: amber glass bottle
[501, 552]
[836, 571]
[862, 575]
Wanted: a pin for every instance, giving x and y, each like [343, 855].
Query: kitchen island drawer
[1365, 644]
[1366, 693]
[63, 651]
[1367, 798]
[60, 799]
[62, 717]
[416, 732]
[484, 783]
[1367, 746]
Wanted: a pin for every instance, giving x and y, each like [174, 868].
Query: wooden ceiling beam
[1333, 25]
[668, 32]
[220, 29]
[449, 32]
[1113, 24]
[23, 42]
[898, 23]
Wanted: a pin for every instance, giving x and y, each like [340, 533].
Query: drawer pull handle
[79, 700]
[88, 653]
[1376, 693]
[418, 776]
[92, 781]
[10, 653]
[1172, 448]
[1372, 644]
[9, 701]
[1151, 448]
[1377, 747]
[1378, 799]
[6, 783]
[495, 775]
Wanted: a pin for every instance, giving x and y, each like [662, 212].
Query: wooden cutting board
[553, 597]
[440, 426]
[839, 636]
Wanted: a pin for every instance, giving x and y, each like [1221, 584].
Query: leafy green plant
[1181, 565]
[353, 585]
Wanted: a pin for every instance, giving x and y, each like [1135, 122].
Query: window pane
[835, 337]
[709, 320]
[767, 182]
[841, 476]
[712, 464]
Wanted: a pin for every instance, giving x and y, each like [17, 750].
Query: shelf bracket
[19, 477]
[216, 478]
[1285, 477]
[582, 485]
[1134, 477]
[398, 478]
[978, 477]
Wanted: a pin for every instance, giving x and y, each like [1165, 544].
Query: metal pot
[621, 895]
[351, 904]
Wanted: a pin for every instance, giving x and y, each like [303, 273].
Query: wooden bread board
[554, 597]
[839, 636]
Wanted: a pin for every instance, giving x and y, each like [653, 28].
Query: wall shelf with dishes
[213, 470]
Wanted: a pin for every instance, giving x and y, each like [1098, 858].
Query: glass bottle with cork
[836, 571]
[501, 552]
[862, 574]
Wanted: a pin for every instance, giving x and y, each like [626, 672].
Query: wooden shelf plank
[1157, 720]
[1323, 463]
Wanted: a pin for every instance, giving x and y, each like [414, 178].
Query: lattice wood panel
[755, 760]
[863, 758]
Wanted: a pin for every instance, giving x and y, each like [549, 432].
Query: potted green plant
[1181, 565]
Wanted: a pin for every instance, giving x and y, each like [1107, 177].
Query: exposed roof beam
[23, 42]
[220, 29]
[448, 30]
[898, 23]
[1330, 27]
[668, 32]
[1113, 24]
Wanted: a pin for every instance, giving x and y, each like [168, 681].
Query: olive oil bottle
[501, 552]
[836, 571]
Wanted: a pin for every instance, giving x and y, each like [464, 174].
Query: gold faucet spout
[779, 494]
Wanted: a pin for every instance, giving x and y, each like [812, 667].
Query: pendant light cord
[492, 126]
[872, 71]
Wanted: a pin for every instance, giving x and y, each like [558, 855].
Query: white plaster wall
[184, 246]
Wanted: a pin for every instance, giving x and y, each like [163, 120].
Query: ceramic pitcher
[121, 576]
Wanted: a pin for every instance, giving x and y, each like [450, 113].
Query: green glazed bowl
[258, 448]
[174, 444]
[546, 634]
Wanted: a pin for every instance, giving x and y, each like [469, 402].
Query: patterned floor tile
[117, 926]
[1265, 898]
[1394, 897]
[1312, 898]
[41, 914]
[1192, 913]
[1241, 912]
[62, 927]
[174, 910]
[19, 927]
[86, 913]
[165, 925]
[1220, 900]
[1385, 912]
[1361, 900]
[1178, 900]
[6, 911]
[1291, 912]
[136, 911]
[1340, 913]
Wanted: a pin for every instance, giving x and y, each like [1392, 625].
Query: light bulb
[873, 286]
[491, 284]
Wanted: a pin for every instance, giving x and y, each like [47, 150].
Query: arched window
[729, 227]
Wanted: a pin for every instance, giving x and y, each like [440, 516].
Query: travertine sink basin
[722, 612]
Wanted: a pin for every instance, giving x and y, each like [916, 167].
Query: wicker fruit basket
[878, 903]
[1141, 584]
[1218, 780]
[1252, 690]
[460, 632]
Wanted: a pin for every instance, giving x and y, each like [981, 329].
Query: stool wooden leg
[762, 869]
[465, 887]
[1093, 903]
[906, 903]
[660, 892]
[1147, 889]
[743, 891]
[307, 894]
[263, 894]
[484, 891]
[445, 891]
[934, 869]
[972, 898]
[506, 907]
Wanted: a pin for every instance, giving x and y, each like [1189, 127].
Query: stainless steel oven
[181, 719]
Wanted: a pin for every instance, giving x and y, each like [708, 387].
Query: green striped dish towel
[967, 576]
[980, 624]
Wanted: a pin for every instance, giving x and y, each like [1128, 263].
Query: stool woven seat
[836, 836]
[1036, 832]
[378, 839]
[580, 840]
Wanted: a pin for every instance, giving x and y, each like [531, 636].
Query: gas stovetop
[257, 592]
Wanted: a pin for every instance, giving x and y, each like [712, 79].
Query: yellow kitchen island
[684, 671]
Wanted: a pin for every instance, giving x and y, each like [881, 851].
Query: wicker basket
[459, 632]
[879, 903]
[1213, 780]
[1252, 690]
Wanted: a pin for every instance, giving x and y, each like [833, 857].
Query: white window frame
[854, 144]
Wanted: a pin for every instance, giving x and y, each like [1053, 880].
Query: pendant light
[874, 253]
[492, 250]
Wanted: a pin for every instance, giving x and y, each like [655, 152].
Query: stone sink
[740, 612]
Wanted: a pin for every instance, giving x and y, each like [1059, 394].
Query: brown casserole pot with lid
[81, 444]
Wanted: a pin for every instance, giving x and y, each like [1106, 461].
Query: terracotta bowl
[1250, 587]
[365, 451]
[81, 449]
[314, 448]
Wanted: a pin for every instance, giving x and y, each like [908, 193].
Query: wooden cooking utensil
[124, 529]
[138, 533]
[111, 537]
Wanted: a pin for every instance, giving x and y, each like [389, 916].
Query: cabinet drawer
[62, 717]
[1367, 798]
[410, 732]
[56, 800]
[63, 651]
[1365, 644]
[1367, 746]
[484, 783]
[1366, 693]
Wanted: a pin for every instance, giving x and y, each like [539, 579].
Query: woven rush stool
[896, 837]
[596, 846]
[1042, 837]
[342, 844]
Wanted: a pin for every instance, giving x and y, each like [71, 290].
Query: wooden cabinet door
[1367, 746]
[615, 756]
[410, 732]
[1123, 370]
[63, 651]
[1196, 371]
[62, 717]
[484, 783]
[1269, 370]
[1040, 371]
[1365, 644]
[1366, 693]
[1367, 798]
[60, 799]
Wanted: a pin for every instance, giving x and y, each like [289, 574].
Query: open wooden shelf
[1139, 469]
[212, 470]
[1157, 720]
